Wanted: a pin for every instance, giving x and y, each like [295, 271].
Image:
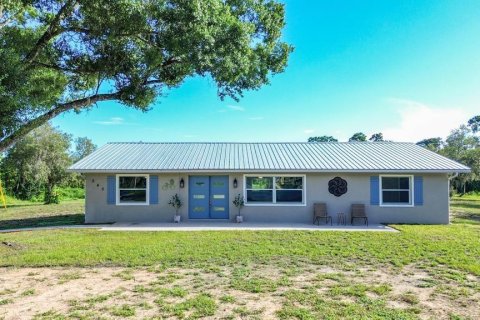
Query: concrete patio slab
[225, 226]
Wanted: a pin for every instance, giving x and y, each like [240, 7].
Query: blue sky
[409, 69]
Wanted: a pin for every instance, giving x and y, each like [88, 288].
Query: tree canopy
[63, 55]
[376, 137]
[359, 136]
[462, 145]
[474, 124]
[37, 163]
[322, 139]
[432, 144]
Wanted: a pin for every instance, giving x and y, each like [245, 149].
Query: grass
[466, 209]
[26, 214]
[455, 246]
[219, 265]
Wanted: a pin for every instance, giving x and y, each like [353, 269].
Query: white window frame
[147, 190]
[274, 195]
[411, 190]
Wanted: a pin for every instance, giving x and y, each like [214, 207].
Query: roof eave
[270, 171]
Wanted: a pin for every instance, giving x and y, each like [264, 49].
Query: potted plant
[239, 202]
[177, 204]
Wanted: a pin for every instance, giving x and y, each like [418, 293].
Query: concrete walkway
[225, 226]
[211, 226]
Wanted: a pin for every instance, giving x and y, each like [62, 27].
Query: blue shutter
[374, 191]
[418, 190]
[111, 190]
[153, 189]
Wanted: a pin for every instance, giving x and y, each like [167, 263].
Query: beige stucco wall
[435, 209]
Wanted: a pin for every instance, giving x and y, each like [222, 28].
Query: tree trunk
[61, 108]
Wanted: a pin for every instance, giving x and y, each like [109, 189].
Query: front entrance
[208, 197]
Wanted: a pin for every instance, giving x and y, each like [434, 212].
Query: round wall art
[337, 186]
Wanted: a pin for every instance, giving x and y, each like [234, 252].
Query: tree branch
[37, 122]
[52, 30]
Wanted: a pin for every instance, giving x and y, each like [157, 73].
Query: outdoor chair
[358, 212]
[320, 212]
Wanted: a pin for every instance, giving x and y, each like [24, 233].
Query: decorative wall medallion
[169, 185]
[337, 186]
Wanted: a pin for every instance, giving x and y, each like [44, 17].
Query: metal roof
[266, 157]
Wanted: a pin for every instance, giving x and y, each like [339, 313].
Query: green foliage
[69, 193]
[51, 197]
[239, 202]
[35, 168]
[83, 147]
[175, 202]
[376, 137]
[462, 145]
[322, 139]
[36, 164]
[474, 124]
[56, 53]
[359, 136]
[432, 144]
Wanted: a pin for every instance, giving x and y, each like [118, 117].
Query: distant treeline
[462, 145]
[36, 166]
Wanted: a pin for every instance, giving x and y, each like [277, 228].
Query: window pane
[396, 183]
[259, 196]
[259, 182]
[127, 182]
[289, 196]
[133, 196]
[404, 183]
[396, 197]
[289, 182]
[133, 182]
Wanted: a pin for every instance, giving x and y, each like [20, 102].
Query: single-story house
[280, 182]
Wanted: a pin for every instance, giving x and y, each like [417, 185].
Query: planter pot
[239, 219]
[176, 219]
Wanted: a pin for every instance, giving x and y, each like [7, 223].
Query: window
[281, 190]
[132, 189]
[396, 190]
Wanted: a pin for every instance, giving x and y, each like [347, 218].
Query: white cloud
[418, 121]
[111, 122]
[256, 118]
[309, 130]
[190, 136]
[236, 108]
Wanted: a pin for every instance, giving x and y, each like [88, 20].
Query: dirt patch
[251, 292]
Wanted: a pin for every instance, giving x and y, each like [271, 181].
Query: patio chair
[320, 212]
[358, 212]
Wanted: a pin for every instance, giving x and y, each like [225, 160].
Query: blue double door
[208, 197]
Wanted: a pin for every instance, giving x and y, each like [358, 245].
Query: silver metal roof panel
[266, 157]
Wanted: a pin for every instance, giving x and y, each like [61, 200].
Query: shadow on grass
[48, 221]
[22, 205]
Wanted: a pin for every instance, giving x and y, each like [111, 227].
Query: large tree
[63, 55]
[37, 163]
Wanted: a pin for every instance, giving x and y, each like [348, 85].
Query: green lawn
[445, 260]
[455, 246]
[23, 214]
